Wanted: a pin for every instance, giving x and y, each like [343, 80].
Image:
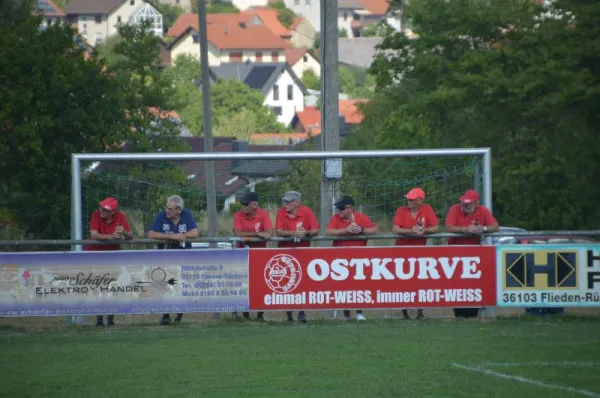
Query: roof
[259, 76]
[296, 22]
[349, 109]
[358, 51]
[226, 32]
[376, 7]
[352, 4]
[92, 6]
[310, 117]
[48, 8]
[270, 17]
[186, 20]
[293, 55]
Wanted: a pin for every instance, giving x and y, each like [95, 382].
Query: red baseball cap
[109, 204]
[415, 193]
[470, 196]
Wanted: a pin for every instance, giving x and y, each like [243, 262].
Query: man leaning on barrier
[349, 222]
[108, 223]
[295, 220]
[176, 224]
[416, 218]
[469, 217]
[250, 222]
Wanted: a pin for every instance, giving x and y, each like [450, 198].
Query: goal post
[481, 172]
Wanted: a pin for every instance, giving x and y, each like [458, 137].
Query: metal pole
[330, 119]
[487, 179]
[76, 216]
[211, 194]
[477, 175]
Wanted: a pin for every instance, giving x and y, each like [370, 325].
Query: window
[119, 19]
[276, 110]
[49, 22]
[98, 38]
[290, 93]
[236, 57]
[275, 56]
[275, 92]
[345, 16]
[98, 18]
[258, 56]
[296, 2]
[305, 58]
[307, 2]
[196, 39]
[132, 2]
[84, 28]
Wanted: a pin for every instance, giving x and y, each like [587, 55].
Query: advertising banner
[548, 275]
[124, 282]
[372, 277]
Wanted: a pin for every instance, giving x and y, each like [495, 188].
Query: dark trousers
[258, 314]
[347, 312]
[289, 313]
[179, 316]
[109, 318]
[466, 312]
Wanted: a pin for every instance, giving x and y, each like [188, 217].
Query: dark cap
[344, 202]
[249, 197]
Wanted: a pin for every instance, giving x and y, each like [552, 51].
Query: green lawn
[321, 359]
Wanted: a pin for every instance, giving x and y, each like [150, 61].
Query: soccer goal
[377, 180]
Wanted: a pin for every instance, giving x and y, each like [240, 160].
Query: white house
[97, 20]
[301, 60]
[51, 13]
[245, 4]
[284, 92]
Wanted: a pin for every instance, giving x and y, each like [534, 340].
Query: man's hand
[300, 233]
[117, 235]
[264, 235]
[416, 230]
[119, 229]
[475, 229]
[177, 237]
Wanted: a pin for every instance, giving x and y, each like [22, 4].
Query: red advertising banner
[372, 277]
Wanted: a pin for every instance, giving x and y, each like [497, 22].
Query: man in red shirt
[297, 221]
[469, 217]
[107, 223]
[416, 218]
[349, 222]
[252, 221]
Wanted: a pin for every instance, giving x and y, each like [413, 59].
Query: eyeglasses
[287, 202]
[347, 207]
[171, 208]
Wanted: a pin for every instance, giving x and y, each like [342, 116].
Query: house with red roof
[303, 33]
[231, 38]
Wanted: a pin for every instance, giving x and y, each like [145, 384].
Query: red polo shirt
[336, 222]
[259, 222]
[304, 217]
[107, 228]
[404, 219]
[457, 218]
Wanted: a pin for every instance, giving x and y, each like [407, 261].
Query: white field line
[557, 364]
[520, 379]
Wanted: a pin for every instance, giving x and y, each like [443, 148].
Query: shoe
[302, 318]
[260, 319]
[420, 315]
[110, 323]
[290, 318]
[178, 318]
[405, 314]
[346, 318]
[165, 321]
[99, 324]
[360, 317]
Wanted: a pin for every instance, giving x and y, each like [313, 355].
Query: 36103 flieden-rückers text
[551, 297]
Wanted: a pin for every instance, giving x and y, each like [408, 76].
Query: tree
[53, 102]
[217, 7]
[508, 74]
[311, 80]
[342, 33]
[378, 29]
[284, 14]
[231, 100]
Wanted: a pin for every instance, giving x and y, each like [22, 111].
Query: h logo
[593, 271]
[541, 269]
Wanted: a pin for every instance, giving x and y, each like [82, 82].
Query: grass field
[513, 357]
